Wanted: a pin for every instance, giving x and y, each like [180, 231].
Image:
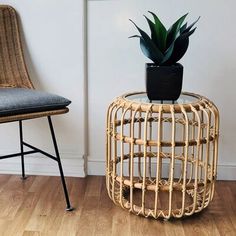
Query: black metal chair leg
[68, 208]
[22, 151]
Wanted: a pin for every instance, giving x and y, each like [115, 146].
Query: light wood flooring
[36, 207]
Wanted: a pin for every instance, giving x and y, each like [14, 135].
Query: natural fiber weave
[12, 63]
[162, 158]
[13, 70]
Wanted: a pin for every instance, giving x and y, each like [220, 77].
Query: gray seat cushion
[14, 101]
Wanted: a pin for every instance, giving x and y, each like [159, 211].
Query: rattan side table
[161, 158]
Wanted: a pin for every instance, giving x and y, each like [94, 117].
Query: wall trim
[73, 165]
[85, 90]
[225, 171]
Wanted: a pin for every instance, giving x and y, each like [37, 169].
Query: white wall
[116, 64]
[53, 32]
[53, 36]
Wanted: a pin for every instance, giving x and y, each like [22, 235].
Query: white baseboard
[225, 171]
[74, 165]
[36, 164]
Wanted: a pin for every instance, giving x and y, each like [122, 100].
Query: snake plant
[165, 47]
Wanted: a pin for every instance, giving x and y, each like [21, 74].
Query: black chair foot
[24, 177]
[70, 209]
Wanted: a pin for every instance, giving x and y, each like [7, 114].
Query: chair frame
[14, 62]
[34, 149]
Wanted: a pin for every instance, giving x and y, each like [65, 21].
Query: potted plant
[165, 48]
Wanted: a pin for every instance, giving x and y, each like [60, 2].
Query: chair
[19, 100]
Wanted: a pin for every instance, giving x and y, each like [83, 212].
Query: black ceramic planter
[164, 82]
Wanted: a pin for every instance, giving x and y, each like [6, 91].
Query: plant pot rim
[155, 65]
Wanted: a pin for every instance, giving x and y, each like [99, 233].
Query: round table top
[185, 98]
[188, 102]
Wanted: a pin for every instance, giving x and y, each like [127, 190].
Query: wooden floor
[36, 207]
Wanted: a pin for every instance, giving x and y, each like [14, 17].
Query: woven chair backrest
[13, 71]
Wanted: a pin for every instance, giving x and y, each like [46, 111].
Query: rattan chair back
[13, 71]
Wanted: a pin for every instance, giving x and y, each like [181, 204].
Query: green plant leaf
[173, 31]
[153, 31]
[170, 50]
[148, 47]
[183, 27]
[187, 34]
[134, 36]
[190, 26]
[160, 32]
[146, 50]
[180, 47]
[168, 53]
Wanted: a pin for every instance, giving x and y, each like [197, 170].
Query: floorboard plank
[36, 206]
